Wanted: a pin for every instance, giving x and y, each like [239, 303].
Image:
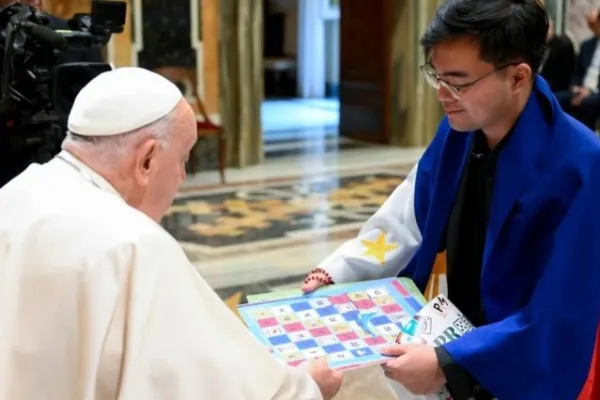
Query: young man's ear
[521, 76]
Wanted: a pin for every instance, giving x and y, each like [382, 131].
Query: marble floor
[272, 223]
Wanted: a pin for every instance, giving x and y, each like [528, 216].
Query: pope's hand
[328, 380]
[416, 367]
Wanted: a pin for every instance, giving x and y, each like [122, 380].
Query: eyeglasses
[433, 79]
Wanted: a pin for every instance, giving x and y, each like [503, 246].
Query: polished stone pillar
[241, 79]
[415, 111]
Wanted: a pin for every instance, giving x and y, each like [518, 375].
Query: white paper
[438, 322]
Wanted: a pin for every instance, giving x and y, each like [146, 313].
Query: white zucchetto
[122, 100]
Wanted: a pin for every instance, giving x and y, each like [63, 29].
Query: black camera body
[37, 88]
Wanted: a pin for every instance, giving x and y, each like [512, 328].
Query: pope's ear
[145, 154]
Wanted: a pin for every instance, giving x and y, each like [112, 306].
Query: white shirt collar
[88, 173]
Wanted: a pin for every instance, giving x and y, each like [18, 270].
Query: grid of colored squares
[331, 326]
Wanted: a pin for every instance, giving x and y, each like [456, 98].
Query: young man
[509, 188]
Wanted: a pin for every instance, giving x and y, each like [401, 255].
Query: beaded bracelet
[319, 274]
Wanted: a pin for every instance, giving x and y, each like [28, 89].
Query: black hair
[506, 31]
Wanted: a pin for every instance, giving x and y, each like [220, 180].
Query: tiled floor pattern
[273, 222]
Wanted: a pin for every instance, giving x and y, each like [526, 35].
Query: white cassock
[97, 301]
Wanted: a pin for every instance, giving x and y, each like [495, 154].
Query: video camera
[37, 89]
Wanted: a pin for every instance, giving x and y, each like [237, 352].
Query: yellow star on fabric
[378, 248]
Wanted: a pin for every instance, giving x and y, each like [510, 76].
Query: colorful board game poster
[346, 324]
[290, 293]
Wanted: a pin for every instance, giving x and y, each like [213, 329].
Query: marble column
[415, 111]
[241, 79]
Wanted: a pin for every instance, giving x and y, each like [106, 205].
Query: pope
[508, 188]
[97, 301]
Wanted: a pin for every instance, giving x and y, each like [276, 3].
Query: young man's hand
[416, 367]
[318, 277]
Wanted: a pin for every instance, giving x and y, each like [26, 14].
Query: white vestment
[97, 301]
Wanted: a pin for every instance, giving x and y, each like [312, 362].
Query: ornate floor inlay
[266, 214]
